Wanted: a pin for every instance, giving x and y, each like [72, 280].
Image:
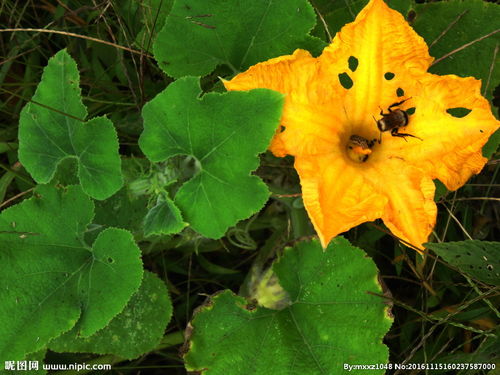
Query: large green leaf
[480, 259]
[332, 319]
[224, 132]
[199, 35]
[447, 26]
[136, 330]
[52, 128]
[51, 279]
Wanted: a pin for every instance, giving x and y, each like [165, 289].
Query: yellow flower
[331, 129]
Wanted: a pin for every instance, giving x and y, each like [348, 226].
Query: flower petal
[311, 108]
[410, 212]
[284, 74]
[451, 147]
[339, 194]
[385, 46]
[336, 194]
[331, 125]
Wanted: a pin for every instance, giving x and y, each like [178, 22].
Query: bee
[393, 121]
[359, 148]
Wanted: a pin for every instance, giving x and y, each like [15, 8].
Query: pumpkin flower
[370, 129]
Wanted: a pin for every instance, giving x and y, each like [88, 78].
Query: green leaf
[479, 259]
[492, 145]
[51, 278]
[124, 209]
[33, 362]
[338, 13]
[7, 146]
[138, 329]
[441, 190]
[5, 181]
[199, 35]
[121, 210]
[52, 128]
[466, 22]
[38, 358]
[163, 218]
[154, 14]
[224, 132]
[332, 319]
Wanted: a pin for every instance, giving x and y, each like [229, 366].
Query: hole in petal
[345, 81]
[459, 112]
[282, 128]
[400, 92]
[353, 63]
[389, 75]
[411, 110]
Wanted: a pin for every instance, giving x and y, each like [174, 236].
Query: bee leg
[382, 112]
[395, 133]
[397, 104]
[409, 135]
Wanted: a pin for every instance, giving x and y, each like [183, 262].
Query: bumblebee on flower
[371, 149]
